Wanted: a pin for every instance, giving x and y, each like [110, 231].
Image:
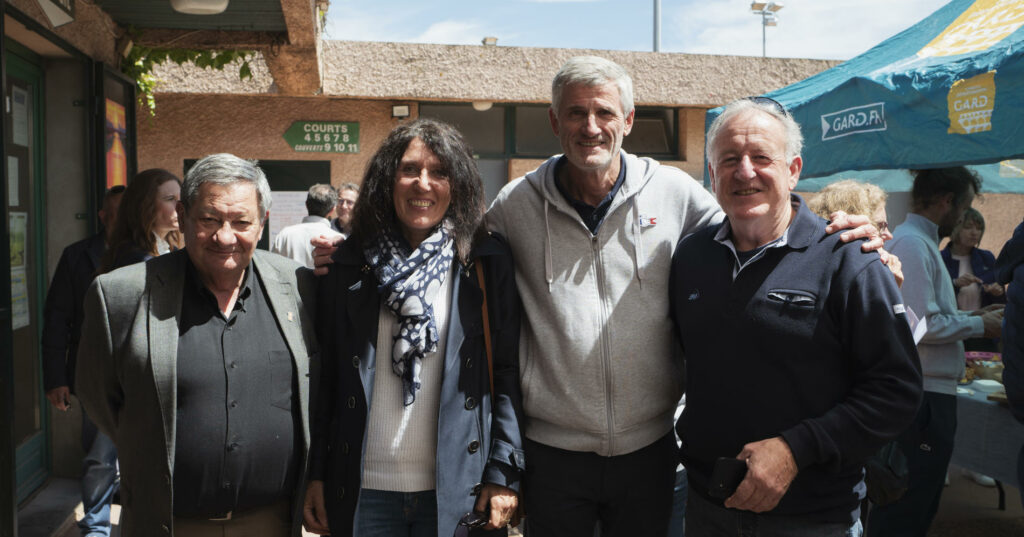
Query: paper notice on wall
[20, 314]
[17, 227]
[289, 208]
[12, 182]
[19, 116]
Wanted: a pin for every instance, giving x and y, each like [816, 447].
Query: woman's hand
[314, 514]
[966, 279]
[994, 289]
[502, 502]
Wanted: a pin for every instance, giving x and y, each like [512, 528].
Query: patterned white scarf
[410, 282]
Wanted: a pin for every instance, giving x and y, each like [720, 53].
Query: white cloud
[807, 28]
[452, 32]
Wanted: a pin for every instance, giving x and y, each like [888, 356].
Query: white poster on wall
[289, 208]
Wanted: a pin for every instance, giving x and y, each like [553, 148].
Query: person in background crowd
[855, 197]
[973, 273]
[198, 363]
[808, 331]
[1010, 271]
[293, 241]
[410, 434]
[348, 193]
[974, 280]
[148, 224]
[938, 201]
[62, 329]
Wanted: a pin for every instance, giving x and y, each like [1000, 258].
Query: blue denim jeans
[676, 525]
[383, 513]
[709, 520]
[99, 480]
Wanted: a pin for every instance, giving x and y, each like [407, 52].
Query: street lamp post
[769, 17]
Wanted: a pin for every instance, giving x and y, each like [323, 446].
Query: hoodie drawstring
[549, 271]
[638, 244]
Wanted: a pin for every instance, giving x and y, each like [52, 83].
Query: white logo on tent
[866, 118]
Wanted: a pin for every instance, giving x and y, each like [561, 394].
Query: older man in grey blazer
[198, 364]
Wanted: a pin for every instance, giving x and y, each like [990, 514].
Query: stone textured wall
[521, 74]
[512, 74]
[92, 31]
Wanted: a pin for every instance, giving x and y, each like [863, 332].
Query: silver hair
[592, 71]
[794, 139]
[225, 169]
[348, 186]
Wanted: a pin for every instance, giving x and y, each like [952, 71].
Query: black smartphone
[727, 474]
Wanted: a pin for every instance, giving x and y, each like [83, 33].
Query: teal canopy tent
[948, 91]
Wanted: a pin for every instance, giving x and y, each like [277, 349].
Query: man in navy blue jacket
[799, 356]
[62, 328]
[1010, 270]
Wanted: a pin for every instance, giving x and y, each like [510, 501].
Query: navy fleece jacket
[809, 341]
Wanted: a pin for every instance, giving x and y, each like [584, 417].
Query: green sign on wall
[323, 137]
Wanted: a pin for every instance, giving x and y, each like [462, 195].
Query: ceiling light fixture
[199, 7]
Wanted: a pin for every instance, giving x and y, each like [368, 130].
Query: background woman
[854, 197]
[973, 272]
[405, 371]
[147, 220]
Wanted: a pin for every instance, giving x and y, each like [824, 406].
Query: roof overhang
[285, 32]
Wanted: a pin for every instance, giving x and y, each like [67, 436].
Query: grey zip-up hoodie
[599, 363]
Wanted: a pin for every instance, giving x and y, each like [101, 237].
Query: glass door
[25, 221]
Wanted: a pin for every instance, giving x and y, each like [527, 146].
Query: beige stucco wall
[192, 126]
[509, 74]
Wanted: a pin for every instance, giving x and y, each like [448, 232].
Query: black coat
[479, 437]
[62, 313]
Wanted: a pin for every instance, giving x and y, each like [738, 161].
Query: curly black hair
[374, 212]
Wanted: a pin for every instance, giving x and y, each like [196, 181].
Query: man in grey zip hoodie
[592, 232]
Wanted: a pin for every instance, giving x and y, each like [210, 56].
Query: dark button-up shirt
[592, 216]
[238, 437]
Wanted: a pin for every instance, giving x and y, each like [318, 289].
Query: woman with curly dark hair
[411, 433]
[147, 221]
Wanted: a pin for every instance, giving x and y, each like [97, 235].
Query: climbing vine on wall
[140, 62]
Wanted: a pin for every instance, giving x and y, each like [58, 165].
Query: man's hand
[323, 249]
[502, 501]
[993, 321]
[859, 227]
[894, 266]
[770, 470]
[966, 279]
[59, 397]
[994, 289]
[314, 514]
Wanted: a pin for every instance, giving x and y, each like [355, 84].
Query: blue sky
[807, 28]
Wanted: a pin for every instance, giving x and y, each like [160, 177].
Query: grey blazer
[127, 376]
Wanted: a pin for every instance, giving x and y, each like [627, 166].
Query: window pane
[533, 132]
[485, 131]
[494, 173]
[653, 133]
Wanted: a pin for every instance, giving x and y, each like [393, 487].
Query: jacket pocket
[792, 297]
